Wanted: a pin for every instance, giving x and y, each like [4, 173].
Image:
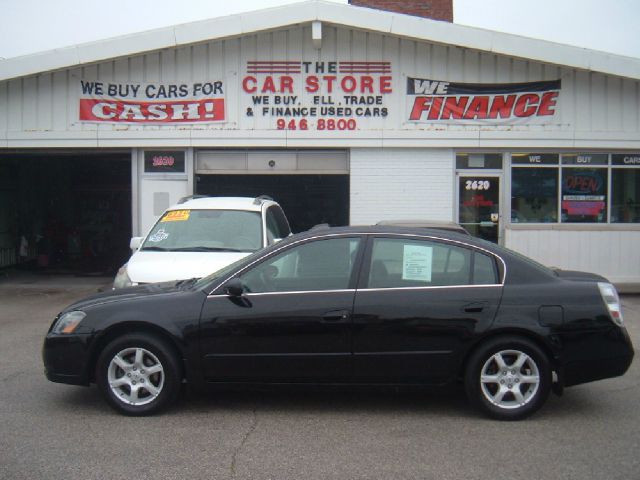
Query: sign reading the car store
[300, 95]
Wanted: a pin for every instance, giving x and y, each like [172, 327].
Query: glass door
[479, 205]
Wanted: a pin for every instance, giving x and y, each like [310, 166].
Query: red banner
[126, 111]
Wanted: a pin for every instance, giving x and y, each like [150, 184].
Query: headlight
[611, 299]
[68, 322]
[122, 279]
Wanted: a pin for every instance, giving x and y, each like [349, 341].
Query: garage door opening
[312, 186]
[65, 213]
[307, 199]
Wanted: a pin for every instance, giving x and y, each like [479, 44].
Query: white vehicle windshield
[206, 230]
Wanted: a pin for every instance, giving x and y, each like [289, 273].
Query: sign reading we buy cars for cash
[164, 103]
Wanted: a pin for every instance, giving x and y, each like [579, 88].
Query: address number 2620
[477, 185]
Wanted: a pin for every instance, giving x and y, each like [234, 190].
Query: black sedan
[351, 306]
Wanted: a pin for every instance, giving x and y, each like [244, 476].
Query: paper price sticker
[176, 216]
[417, 261]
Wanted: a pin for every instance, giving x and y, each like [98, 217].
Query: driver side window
[313, 266]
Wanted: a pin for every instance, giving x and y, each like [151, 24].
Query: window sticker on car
[159, 236]
[176, 216]
[417, 263]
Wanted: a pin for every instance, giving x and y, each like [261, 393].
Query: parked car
[351, 306]
[200, 235]
[416, 223]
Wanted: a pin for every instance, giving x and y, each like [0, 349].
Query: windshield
[206, 231]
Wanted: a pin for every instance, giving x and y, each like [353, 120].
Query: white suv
[200, 235]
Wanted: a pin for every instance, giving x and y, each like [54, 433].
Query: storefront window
[584, 195]
[625, 201]
[583, 187]
[534, 195]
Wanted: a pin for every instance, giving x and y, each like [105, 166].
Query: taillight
[612, 300]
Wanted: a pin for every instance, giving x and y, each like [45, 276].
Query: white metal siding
[595, 110]
[391, 183]
[611, 253]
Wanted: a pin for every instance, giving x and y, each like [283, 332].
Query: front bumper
[66, 358]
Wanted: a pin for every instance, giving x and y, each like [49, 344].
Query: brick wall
[401, 183]
[435, 9]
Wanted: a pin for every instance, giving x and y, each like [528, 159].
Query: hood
[579, 276]
[151, 267]
[124, 294]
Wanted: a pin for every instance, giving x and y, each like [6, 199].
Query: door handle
[336, 316]
[474, 307]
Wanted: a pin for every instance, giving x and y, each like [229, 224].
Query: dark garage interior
[65, 212]
[307, 199]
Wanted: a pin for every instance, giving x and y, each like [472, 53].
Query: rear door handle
[336, 316]
[474, 307]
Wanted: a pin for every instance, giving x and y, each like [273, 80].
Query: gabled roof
[383, 22]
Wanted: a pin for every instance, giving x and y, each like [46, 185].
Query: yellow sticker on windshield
[176, 216]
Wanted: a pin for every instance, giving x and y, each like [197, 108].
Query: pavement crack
[245, 438]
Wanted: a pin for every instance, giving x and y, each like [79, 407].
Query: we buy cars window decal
[436, 101]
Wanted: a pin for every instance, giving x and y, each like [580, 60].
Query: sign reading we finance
[127, 102]
[435, 101]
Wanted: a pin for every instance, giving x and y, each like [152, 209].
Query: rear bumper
[612, 361]
[585, 371]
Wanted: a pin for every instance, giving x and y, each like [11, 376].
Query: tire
[138, 374]
[508, 378]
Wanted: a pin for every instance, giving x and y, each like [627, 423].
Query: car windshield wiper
[206, 249]
[155, 249]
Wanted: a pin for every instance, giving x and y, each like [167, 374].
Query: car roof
[252, 204]
[319, 230]
[418, 223]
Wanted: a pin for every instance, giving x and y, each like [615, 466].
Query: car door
[292, 324]
[419, 301]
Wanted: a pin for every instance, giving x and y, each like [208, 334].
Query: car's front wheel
[138, 374]
[508, 378]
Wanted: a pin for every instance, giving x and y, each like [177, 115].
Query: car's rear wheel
[138, 374]
[508, 378]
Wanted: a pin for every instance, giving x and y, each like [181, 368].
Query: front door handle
[336, 316]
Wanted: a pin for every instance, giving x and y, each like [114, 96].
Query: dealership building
[344, 114]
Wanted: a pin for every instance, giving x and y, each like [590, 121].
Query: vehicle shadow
[327, 402]
[449, 403]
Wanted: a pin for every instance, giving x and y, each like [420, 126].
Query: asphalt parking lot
[51, 431]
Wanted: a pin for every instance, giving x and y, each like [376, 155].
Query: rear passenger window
[484, 270]
[397, 263]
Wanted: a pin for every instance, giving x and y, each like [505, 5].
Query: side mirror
[234, 287]
[135, 243]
